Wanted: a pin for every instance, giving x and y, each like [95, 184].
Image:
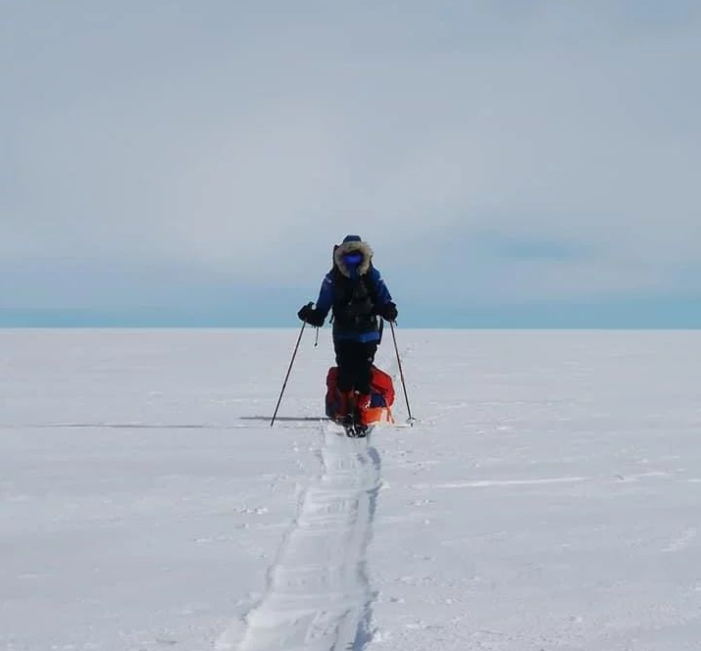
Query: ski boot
[346, 409]
[362, 403]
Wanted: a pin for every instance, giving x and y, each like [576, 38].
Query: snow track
[318, 596]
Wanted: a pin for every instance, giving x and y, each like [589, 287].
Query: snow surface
[549, 498]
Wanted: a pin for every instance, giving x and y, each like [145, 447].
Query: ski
[355, 431]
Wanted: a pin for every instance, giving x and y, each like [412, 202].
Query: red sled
[381, 398]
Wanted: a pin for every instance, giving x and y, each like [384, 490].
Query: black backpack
[354, 302]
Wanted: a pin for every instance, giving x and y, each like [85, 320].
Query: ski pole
[287, 377]
[401, 373]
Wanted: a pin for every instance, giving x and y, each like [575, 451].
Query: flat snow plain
[548, 499]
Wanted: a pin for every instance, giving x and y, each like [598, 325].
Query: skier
[356, 294]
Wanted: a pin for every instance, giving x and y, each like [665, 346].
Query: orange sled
[381, 398]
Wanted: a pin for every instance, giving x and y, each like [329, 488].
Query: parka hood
[350, 247]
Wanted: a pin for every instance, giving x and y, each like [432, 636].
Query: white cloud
[243, 141]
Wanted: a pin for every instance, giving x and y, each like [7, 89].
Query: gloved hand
[388, 311]
[309, 315]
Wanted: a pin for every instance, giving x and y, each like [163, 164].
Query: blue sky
[513, 164]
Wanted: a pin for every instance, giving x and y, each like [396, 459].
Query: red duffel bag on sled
[381, 397]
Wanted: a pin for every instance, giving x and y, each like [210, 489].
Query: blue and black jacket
[353, 291]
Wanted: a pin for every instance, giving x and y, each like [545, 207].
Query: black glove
[388, 311]
[311, 316]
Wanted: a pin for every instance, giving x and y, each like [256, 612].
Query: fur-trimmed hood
[348, 247]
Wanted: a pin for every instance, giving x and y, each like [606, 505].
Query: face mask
[353, 259]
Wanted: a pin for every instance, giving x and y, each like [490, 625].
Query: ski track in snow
[318, 596]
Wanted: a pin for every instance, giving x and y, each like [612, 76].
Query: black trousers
[354, 360]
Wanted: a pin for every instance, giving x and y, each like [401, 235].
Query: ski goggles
[353, 258]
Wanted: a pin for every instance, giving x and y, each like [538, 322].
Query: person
[356, 295]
